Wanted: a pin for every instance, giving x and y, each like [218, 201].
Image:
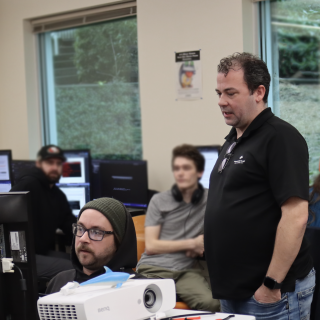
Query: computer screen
[5, 170]
[16, 241]
[96, 189]
[210, 154]
[19, 167]
[75, 181]
[126, 181]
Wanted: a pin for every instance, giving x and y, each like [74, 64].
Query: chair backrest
[313, 236]
[139, 226]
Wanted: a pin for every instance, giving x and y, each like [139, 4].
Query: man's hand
[289, 236]
[154, 245]
[266, 295]
[198, 248]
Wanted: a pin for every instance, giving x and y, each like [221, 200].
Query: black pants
[51, 264]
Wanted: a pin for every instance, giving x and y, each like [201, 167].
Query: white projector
[135, 300]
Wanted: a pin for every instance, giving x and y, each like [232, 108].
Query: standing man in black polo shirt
[257, 207]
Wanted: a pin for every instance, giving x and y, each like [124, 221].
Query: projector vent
[57, 312]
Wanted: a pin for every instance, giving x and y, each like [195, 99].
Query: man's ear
[38, 164]
[200, 175]
[259, 93]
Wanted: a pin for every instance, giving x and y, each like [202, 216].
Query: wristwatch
[271, 283]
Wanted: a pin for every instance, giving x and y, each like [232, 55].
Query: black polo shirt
[269, 165]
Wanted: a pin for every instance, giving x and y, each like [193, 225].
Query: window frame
[48, 87]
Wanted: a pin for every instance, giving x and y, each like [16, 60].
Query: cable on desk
[189, 315]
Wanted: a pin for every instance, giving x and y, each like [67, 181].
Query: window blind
[83, 17]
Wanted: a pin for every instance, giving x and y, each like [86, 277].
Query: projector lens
[152, 298]
[149, 298]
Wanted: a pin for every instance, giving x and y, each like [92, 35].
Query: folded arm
[194, 246]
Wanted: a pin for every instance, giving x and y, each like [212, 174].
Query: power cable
[23, 285]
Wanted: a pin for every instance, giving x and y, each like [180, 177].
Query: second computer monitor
[16, 242]
[125, 181]
[75, 179]
[210, 154]
[5, 170]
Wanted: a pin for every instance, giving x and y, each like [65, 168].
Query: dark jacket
[124, 260]
[50, 209]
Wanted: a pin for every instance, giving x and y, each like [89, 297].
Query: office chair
[139, 226]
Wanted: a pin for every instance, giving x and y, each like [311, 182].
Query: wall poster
[188, 75]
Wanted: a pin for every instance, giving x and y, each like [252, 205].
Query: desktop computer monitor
[75, 179]
[96, 181]
[210, 154]
[16, 241]
[19, 167]
[5, 170]
[126, 181]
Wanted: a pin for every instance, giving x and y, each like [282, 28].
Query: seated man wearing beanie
[104, 235]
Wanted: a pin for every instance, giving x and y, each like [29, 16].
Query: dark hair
[254, 69]
[190, 152]
[316, 190]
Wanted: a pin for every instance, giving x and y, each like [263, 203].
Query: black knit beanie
[113, 210]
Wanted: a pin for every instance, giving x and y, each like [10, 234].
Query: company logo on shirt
[240, 161]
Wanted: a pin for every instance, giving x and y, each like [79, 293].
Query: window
[90, 89]
[291, 47]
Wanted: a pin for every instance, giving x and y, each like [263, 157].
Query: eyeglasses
[227, 157]
[94, 234]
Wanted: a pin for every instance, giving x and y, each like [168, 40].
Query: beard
[53, 176]
[92, 260]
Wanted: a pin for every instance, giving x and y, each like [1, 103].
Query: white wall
[164, 26]
[20, 128]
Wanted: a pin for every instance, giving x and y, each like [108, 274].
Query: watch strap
[271, 283]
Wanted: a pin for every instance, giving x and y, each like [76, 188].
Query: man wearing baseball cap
[50, 209]
[103, 236]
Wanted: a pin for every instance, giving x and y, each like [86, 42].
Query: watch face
[269, 282]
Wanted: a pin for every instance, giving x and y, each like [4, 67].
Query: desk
[218, 315]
